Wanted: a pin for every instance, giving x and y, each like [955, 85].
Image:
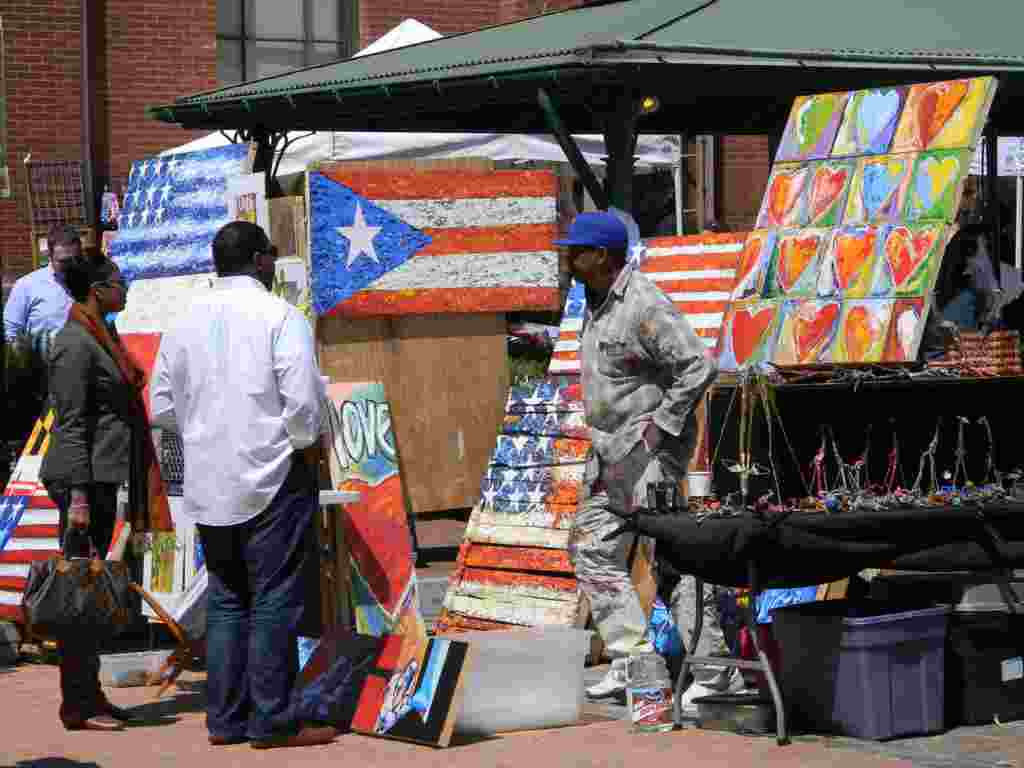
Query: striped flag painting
[173, 207]
[416, 242]
[697, 272]
[28, 522]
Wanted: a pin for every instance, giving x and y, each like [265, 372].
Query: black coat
[91, 440]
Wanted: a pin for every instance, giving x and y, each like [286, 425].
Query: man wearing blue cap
[643, 372]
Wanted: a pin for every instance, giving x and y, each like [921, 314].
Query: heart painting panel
[829, 187]
[747, 334]
[862, 332]
[754, 261]
[807, 329]
[946, 115]
[879, 189]
[812, 126]
[794, 266]
[936, 185]
[869, 122]
[785, 198]
[906, 327]
[909, 259]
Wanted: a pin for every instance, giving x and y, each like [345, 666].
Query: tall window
[259, 38]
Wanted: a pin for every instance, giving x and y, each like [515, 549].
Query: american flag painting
[173, 207]
[415, 242]
[696, 271]
[28, 522]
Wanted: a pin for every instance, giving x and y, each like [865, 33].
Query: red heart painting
[811, 327]
[795, 253]
[905, 252]
[934, 108]
[852, 252]
[826, 188]
[783, 194]
[859, 333]
[748, 330]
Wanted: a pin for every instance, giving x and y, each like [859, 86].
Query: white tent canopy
[359, 145]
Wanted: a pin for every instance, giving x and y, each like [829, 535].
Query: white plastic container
[125, 670]
[523, 679]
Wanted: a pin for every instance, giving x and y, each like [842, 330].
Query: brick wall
[146, 51]
[744, 165]
[156, 51]
[42, 65]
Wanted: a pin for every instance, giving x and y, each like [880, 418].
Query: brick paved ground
[174, 734]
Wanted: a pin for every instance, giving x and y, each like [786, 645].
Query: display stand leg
[762, 665]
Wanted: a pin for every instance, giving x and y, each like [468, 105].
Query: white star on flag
[360, 237]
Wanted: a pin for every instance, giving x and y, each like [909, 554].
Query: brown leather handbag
[84, 596]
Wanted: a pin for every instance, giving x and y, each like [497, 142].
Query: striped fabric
[697, 272]
[28, 522]
[414, 242]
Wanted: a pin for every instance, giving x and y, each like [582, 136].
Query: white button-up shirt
[238, 379]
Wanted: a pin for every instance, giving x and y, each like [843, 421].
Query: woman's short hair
[85, 270]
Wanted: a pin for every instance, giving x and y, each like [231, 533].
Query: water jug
[648, 693]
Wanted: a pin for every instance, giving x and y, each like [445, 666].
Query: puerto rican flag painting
[28, 523]
[697, 272]
[416, 242]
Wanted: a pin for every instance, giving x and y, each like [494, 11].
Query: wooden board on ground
[457, 365]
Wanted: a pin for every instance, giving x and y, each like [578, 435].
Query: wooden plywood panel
[447, 379]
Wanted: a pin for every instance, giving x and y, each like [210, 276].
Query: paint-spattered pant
[601, 565]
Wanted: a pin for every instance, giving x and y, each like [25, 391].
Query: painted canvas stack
[853, 226]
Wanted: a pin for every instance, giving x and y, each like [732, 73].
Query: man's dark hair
[83, 271]
[236, 245]
[63, 234]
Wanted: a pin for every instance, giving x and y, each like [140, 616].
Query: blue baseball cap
[598, 229]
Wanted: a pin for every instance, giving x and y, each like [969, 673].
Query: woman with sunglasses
[100, 439]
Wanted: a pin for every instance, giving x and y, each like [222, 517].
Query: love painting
[849, 264]
[910, 258]
[785, 199]
[879, 190]
[936, 186]
[869, 122]
[754, 264]
[812, 127]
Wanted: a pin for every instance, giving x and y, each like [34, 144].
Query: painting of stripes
[173, 207]
[364, 459]
[698, 272]
[825, 276]
[416, 242]
[28, 522]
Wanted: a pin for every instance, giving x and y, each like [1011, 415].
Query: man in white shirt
[237, 378]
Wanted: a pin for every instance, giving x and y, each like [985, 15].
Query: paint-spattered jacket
[641, 362]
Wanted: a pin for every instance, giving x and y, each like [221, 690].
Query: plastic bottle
[649, 693]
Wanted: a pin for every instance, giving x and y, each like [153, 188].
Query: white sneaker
[613, 684]
[721, 684]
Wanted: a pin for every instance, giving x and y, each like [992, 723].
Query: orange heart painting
[852, 251]
[905, 252]
[782, 200]
[826, 189]
[795, 253]
[861, 332]
[749, 326]
[812, 327]
[750, 263]
[935, 106]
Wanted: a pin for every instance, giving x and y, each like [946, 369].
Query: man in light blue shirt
[39, 303]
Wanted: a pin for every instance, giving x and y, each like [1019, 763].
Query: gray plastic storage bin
[862, 670]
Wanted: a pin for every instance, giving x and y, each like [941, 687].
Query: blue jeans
[257, 572]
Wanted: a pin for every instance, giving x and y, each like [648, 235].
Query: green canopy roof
[716, 66]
